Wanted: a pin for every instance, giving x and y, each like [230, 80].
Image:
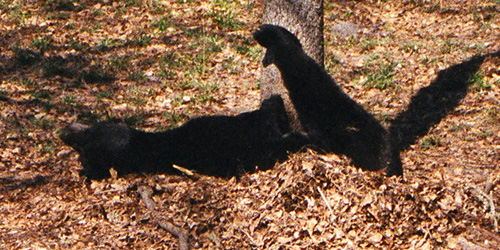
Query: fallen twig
[146, 193]
[491, 203]
[327, 203]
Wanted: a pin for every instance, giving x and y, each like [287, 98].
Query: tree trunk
[304, 18]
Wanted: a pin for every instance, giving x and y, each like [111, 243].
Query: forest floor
[156, 64]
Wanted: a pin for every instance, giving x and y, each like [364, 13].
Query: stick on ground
[146, 193]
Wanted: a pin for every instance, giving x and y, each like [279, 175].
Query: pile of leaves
[155, 64]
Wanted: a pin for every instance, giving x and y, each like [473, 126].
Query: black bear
[333, 121]
[213, 145]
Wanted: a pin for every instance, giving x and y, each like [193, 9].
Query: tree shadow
[431, 104]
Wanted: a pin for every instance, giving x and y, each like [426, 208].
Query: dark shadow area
[19, 188]
[222, 146]
[431, 104]
[334, 121]
[11, 183]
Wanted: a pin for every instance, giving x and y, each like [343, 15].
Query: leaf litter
[175, 60]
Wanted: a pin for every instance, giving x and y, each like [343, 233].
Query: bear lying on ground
[333, 121]
[222, 146]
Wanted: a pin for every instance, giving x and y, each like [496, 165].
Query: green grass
[380, 76]
[29, 83]
[141, 41]
[48, 146]
[450, 45]
[43, 123]
[69, 99]
[42, 44]
[223, 15]
[494, 115]
[431, 141]
[104, 94]
[26, 57]
[137, 76]
[119, 63]
[479, 83]
[164, 23]
[368, 44]
[410, 46]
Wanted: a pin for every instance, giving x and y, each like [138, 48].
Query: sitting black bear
[333, 120]
[213, 145]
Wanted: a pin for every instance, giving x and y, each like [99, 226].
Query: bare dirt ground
[155, 64]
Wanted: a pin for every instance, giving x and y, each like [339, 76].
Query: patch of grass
[195, 32]
[172, 60]
[137, 76]
[119, 63]
[426, 60]
[158, 7]
[134, 120]
[173, 118]
[26, 57]
[494, 115]
[167, 73]
[104, 94]
[478, 82]
[431, 141]
[242, 44]
[69, 99]
[136, 96]
[368, 44]
[331, 61]
[410, 46]
[5, 4]
[58, 16]
[133, 3]
[449, 46]
[227, 20]
[164, 23]
[345, 14]
[212, 44]
[28, 83]
[456, 128]
[432, 8]
[89, 117]
[43, 123]
[381, 76]
[74, 44]
[222, 14]
[48, 146]
[207, 91]
[106, 45]
[3, 94]
[230, 64]
[142, 41]
[19, 15]
[97, 12]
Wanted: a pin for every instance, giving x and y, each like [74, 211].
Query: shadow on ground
[433, 103]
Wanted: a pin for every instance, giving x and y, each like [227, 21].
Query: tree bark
[304, 18]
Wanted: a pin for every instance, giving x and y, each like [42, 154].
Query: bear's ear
[274, 36]
[290, 38]
[265, 36]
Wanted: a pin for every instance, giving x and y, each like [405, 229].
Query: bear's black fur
[213, 145]
[333, 120]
